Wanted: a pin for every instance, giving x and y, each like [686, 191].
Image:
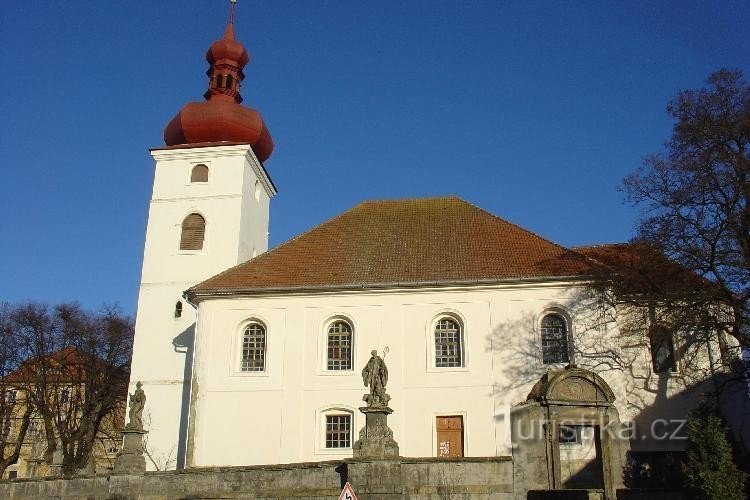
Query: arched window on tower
[554, 339]
[230, 81]
[218, 81]
[193, 231]
[199, 173]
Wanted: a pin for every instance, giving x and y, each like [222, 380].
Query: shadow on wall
[612, 340]
[184, 343]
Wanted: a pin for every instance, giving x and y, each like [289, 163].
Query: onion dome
[221, 118]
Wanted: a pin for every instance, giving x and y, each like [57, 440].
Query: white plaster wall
[236, 223]
[253, 418]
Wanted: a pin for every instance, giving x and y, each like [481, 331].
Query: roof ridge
[603, 245]
[413, 198]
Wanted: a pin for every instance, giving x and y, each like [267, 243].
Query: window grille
[254, 348]
[199, 173]
[448, 349]
[554, 339]
[338, 431]
[340, 346]
[193, 231]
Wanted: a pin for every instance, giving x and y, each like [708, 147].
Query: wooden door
[450, 436]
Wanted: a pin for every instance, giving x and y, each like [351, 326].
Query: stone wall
[413, 478]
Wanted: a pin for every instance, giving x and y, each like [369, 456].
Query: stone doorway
[565, 436]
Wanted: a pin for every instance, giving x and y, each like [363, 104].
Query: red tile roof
[411, 242]
[644, 270]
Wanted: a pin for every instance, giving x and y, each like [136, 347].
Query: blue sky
[532, 110]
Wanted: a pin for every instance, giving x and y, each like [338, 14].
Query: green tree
[709, 468]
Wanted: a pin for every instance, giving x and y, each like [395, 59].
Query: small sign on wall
[347, 493]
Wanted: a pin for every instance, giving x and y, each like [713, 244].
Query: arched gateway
[566, 435]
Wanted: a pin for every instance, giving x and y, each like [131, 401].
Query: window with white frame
[338, 430]
[554, 330]
[193, 232]
[253, 348]
[339, 346]
[448, 343]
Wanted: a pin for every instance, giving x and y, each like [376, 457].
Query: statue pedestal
[376, 438]
[130, 459]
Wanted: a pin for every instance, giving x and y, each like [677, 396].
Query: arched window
[448, 343]
[230, 81]
[662, 350]
[199, 173]
[339, 346]
[218, 81]
[178, 309]
[193, 231]
[554, 339]
[253, 348]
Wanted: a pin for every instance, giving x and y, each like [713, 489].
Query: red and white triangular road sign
[347, 493]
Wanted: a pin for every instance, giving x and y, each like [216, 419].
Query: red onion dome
[227, 49]
[222, 118]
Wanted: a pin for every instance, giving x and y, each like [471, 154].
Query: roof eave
[195, 296]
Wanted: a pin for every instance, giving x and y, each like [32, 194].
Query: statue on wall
[375, 376]
[137, 403]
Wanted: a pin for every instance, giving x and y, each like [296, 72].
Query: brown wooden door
[450, 436]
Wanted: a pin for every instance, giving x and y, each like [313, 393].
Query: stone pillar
[376, 438]
[375, 470]
[130, 459]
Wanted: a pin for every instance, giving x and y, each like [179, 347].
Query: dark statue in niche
[375, 376]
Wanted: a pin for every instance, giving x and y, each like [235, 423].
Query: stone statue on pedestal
[376, 438]
[130, 459]
[375, 376]
[137, 403]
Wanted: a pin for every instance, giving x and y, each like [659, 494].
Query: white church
[250, 355]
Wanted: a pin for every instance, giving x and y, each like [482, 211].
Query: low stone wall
[413, 478]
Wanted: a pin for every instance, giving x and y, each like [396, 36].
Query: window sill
[435, 369]
[191, 252]
[336, 373]
[334, 451]
[250, 374]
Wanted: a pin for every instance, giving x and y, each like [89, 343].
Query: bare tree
[74, 375]
[15, 412]
[695, 200]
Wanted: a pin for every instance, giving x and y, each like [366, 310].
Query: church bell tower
[209, 211]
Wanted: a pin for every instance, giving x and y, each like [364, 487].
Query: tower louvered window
[193, 232]
[340, 346]
[253, 348]
[199, 173]
[448, 340]
[554, 339]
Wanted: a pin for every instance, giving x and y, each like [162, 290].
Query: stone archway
[565, 435]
